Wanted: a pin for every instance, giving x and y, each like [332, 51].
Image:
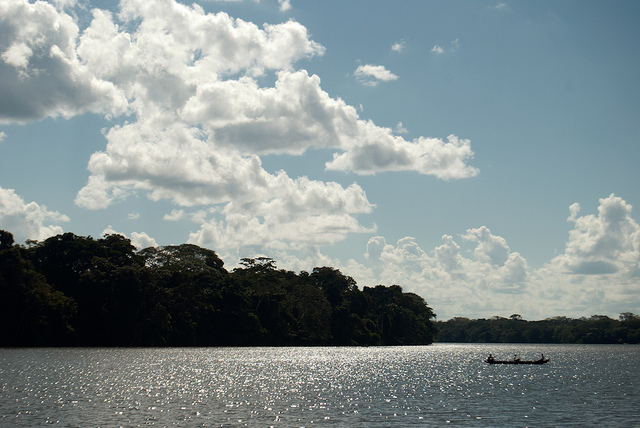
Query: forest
[595, 329]
[71, 290]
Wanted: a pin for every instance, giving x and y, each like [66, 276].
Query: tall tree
[31, 311]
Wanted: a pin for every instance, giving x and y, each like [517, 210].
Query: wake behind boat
[516, 360]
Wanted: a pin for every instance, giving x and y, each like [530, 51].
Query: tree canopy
[81, 291]
[76, 290]
[595, 329]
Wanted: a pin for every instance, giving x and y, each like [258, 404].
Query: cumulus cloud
[256, 207]
[602, 244]
[291, 117]
[40, 72]
[174, 215]
[600, 266]
[490, 248]
[372, 75]
[167, 62]
[381, 151]
[28, 220]
[140, 240]
[450, 281]
[598, 271]
[199, 116]
[295, 214]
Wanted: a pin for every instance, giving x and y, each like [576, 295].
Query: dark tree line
[595, 329]
[71, 290]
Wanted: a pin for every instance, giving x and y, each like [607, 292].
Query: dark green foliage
[6, 240]
[74, 290]
[401, 318]
[596, 329]
[31, 311]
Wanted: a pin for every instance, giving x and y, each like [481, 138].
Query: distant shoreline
[597, 329]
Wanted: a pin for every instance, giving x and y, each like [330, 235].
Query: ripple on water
[370, 387]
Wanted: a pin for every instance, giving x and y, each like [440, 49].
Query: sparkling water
[438, 385]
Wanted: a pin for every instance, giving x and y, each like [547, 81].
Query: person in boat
[515, 357]
[490, 357]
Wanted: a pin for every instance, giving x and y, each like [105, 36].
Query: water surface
[443, 384]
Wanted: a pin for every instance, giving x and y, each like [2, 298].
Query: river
[438, 385]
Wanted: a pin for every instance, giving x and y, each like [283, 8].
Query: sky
[482, 154]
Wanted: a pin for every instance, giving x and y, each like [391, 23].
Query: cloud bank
[28, 220]
[198, 117]
[599, 270]
[198, 99]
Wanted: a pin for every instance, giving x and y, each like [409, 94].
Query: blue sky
[482, 154]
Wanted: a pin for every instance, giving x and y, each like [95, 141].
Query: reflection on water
[293, 387]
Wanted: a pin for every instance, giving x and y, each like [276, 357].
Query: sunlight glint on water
[368, 387]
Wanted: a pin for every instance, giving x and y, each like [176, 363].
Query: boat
[516, 360]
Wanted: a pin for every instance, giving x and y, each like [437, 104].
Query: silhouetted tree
[31, 311]
[74, 290]
[560, 329]
[6, 240]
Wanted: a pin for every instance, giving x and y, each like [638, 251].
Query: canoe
[540, 361]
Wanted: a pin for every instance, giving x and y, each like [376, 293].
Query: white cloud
[199, 119]
[292, 117]
[133, 216]
[380, 151]
[400, 129]
[490, 248]
[3, 136]
[140, 240]
[448, 280]
[285, 5]
[439, 50]
[27, 220]
[257, 207]
[40, 72]
[176, 64]
[64, 4]
[372, 75]
[574, 209]
[597, 273]
[184, 41]
[286, 214]
[398, 46]
[603, 244]
[198, 132]
[599, 269]
[175, 215]
[245, 233]
[375, 247]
